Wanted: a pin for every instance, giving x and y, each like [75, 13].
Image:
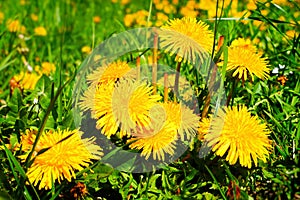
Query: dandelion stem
[210, 86]
[138, 68]
[231, 94]
[154, 64]
[176, 84]
[165, 87]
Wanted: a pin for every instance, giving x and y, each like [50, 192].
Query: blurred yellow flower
[96, 19]
[27, 80]
[169, 9]
[129, 20]
[40, 31]
[251, 5]
[1, 17]
[34, 17]
[210, 7]
[246, 140]
[48, 67]
[65, 152]
[23, 2]
[261, 25]
[187, 12]
[124, 2]
[291, 33]
[175, 2]
[162, 16]
[86, 49]
[15, 26]
[188, 38]
[264, 12]
[139, 18]
[244, 61]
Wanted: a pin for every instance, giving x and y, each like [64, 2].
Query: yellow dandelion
[23, 2]
[34, 17]
[203, 129]
[1, 17]
[124, 2]
[129, 20]
[131, 103]
[169, 9]
[102, 110]
[66, 153]
[158, 140]
[14, 25]
[182, 118]
[188, 38]
[40, 31]
[27, 80]
[87, 99]
[251, 5]
[86, 49]
[159, 144]
[96, 19]
[244, 61]
[27, 139]
[175, 2]
[47, 68]
[239, 134]
[291, 33]
[110, 73]
[187, 12]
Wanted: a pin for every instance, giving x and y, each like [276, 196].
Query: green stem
[176, 84]
[216, 182]
[232, 92]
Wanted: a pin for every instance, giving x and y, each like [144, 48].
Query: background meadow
[44, 43]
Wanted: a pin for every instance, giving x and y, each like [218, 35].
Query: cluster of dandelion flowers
[104, 76]
[65, 152]
[239, 134]
[244, 61]
[160, 139]
[111, 73]
[131, 103]
[183, 119]
[157, 139]
[188, 38]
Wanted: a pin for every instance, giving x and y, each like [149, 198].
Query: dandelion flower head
[131, 102]
[110, 73]
[245, 141]
[244, 61]
[65, 152]
[188, 38]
